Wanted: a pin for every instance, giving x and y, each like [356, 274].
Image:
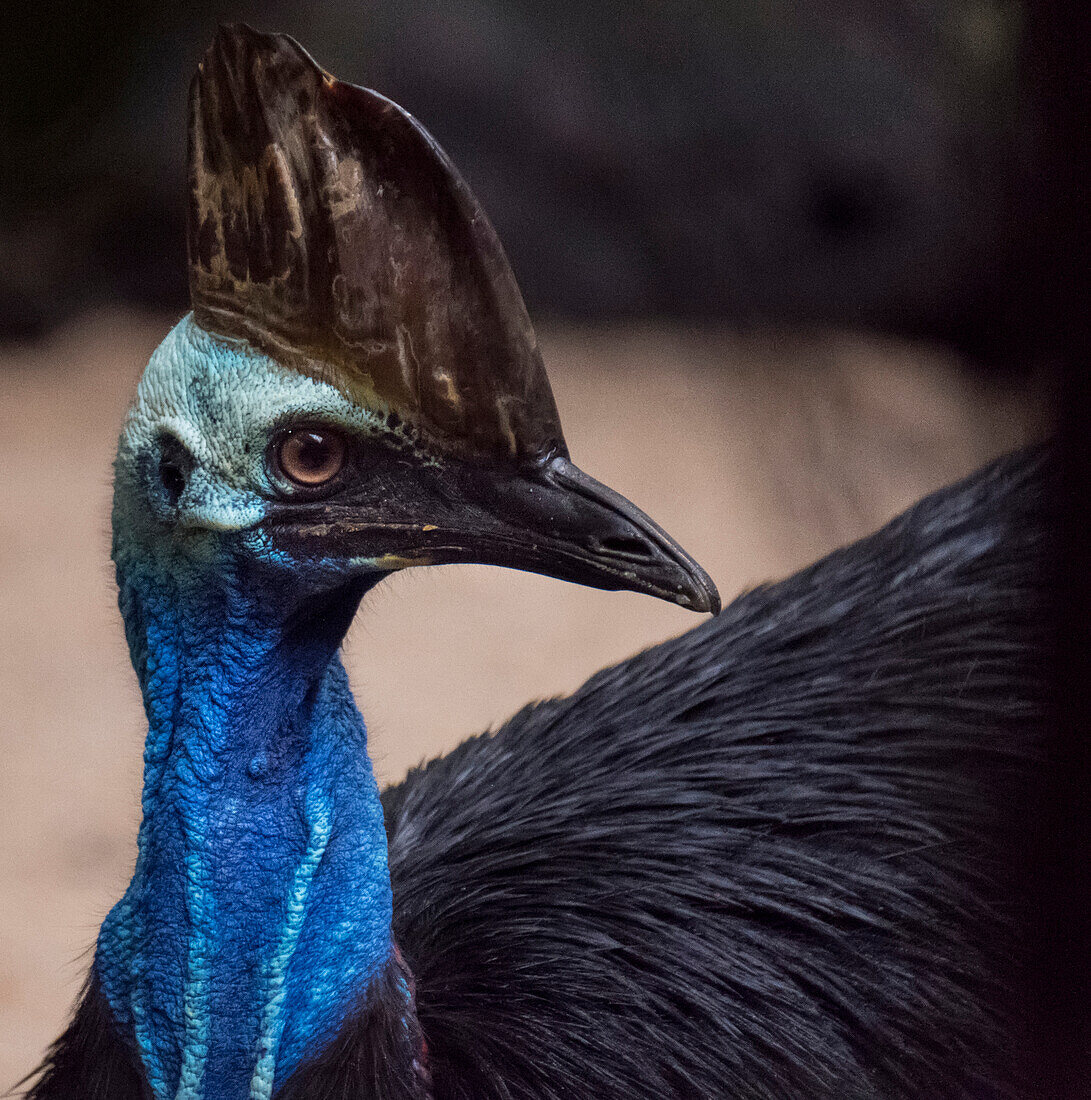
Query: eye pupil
[311, 456]
[311, 452]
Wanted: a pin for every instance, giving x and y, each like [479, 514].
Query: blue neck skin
[260, 905]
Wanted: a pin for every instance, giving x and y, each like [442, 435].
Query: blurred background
[791, 262]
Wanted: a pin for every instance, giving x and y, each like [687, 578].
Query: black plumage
[90, 1060]
[770, 858]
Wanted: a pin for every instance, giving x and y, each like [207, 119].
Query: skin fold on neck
[260, 904]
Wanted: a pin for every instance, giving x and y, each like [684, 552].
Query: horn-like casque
[328, 228]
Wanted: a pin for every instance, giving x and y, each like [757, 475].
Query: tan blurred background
[757, 453]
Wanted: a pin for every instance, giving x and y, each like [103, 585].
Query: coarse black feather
[90, 1060]
[770, 858]
[380, 1054]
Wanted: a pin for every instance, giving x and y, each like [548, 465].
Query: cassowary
[769, 858]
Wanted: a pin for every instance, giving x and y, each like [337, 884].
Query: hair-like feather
[90, 1060]
[380, 1053]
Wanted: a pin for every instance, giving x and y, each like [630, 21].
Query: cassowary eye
[310, 456]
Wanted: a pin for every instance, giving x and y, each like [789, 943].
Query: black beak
[549, 518]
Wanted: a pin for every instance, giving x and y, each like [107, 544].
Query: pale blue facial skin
[260, 904]
[222, 399]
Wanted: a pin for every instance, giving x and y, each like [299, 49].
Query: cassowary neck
[260, 904]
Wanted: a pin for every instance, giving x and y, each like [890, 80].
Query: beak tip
[702, 597]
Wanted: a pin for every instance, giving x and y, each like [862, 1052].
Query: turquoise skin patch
[221, 400]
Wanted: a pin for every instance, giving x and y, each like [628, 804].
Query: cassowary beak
[550, 518]
[328, 229]
[563, 523]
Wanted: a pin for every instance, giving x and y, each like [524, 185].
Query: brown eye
[310, 456]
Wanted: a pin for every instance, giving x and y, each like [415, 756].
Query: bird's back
[769, 858]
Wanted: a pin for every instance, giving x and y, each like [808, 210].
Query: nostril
[175, 464]
[625, 547]
[174, 481]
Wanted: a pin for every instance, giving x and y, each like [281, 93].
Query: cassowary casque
[765, 859]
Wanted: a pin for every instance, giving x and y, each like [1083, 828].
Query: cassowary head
[358, 388]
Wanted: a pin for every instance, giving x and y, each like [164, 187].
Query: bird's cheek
[213, 506]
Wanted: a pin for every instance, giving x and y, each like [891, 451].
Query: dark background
[751, 162]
